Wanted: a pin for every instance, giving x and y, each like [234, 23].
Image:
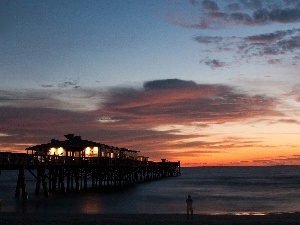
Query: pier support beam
[41, 177]
[21, 185]
[46, 192]
[62, 180]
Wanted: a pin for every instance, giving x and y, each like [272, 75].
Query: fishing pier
[75, 165]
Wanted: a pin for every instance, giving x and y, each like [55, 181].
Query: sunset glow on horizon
[207, 83]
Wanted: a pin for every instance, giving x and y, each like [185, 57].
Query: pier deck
[69, 173]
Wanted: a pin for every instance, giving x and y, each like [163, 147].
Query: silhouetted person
[189, 207]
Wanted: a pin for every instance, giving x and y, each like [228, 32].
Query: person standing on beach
[189, 207]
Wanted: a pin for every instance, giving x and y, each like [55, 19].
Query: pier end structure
[75, 147]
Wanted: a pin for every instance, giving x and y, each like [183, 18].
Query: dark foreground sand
[139, 219]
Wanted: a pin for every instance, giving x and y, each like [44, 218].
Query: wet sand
[146, 219]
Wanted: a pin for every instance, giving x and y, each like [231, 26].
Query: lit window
[60, 151]
[52, 151]
[95, 151]
[87, 151]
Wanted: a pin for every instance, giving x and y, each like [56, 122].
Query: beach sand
[146, 219]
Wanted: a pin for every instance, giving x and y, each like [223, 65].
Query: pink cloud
[183, 105]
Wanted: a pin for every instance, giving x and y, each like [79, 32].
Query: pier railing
[15, 160]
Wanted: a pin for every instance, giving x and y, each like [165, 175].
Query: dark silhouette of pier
[75, 165]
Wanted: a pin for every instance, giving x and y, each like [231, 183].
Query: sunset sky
[204, 82]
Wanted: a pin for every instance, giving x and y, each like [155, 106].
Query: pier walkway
[75, 170]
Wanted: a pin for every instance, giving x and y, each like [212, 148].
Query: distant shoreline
[149, 219]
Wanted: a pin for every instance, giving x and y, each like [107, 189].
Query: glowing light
[60, 151]
[87, 151]
[95, 150]
[52, 151]
[91, 152]
[57, 151]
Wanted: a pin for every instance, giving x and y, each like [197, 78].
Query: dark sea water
[215, 190]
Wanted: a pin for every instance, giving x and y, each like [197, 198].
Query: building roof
[73, 142]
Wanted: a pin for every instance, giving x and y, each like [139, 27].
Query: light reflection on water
[90, 206]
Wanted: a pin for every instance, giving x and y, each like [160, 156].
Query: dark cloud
[240, 17]
[214, 63]
[283, 15]
[270, 37]
[267, 12]
[243, 12]
[47, 85]
[208, 39]
[291, 44]
[210, 5]
[234, 7]
[292, 121]
[274, 61]
[168, 84]
[251, 4]
[69, 84]
[281, 43]
[264, 47]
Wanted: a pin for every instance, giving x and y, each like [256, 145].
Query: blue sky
[51, 42]
[201, 81]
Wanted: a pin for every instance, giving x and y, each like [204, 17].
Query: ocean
[214, 190]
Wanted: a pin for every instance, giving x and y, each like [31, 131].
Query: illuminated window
[52, 151]
[91, 152]
[87, 151]
[57, 151]
[60, 151]
[95, 150]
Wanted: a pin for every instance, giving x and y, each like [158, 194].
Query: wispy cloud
[295, 92]
[5, 135]
[291, 121]
[270, 45]
[70, 99]
[214, 63]
[270, 48]
[216, 14]
[63, 85]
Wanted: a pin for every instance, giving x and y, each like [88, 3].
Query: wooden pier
[77, 168]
